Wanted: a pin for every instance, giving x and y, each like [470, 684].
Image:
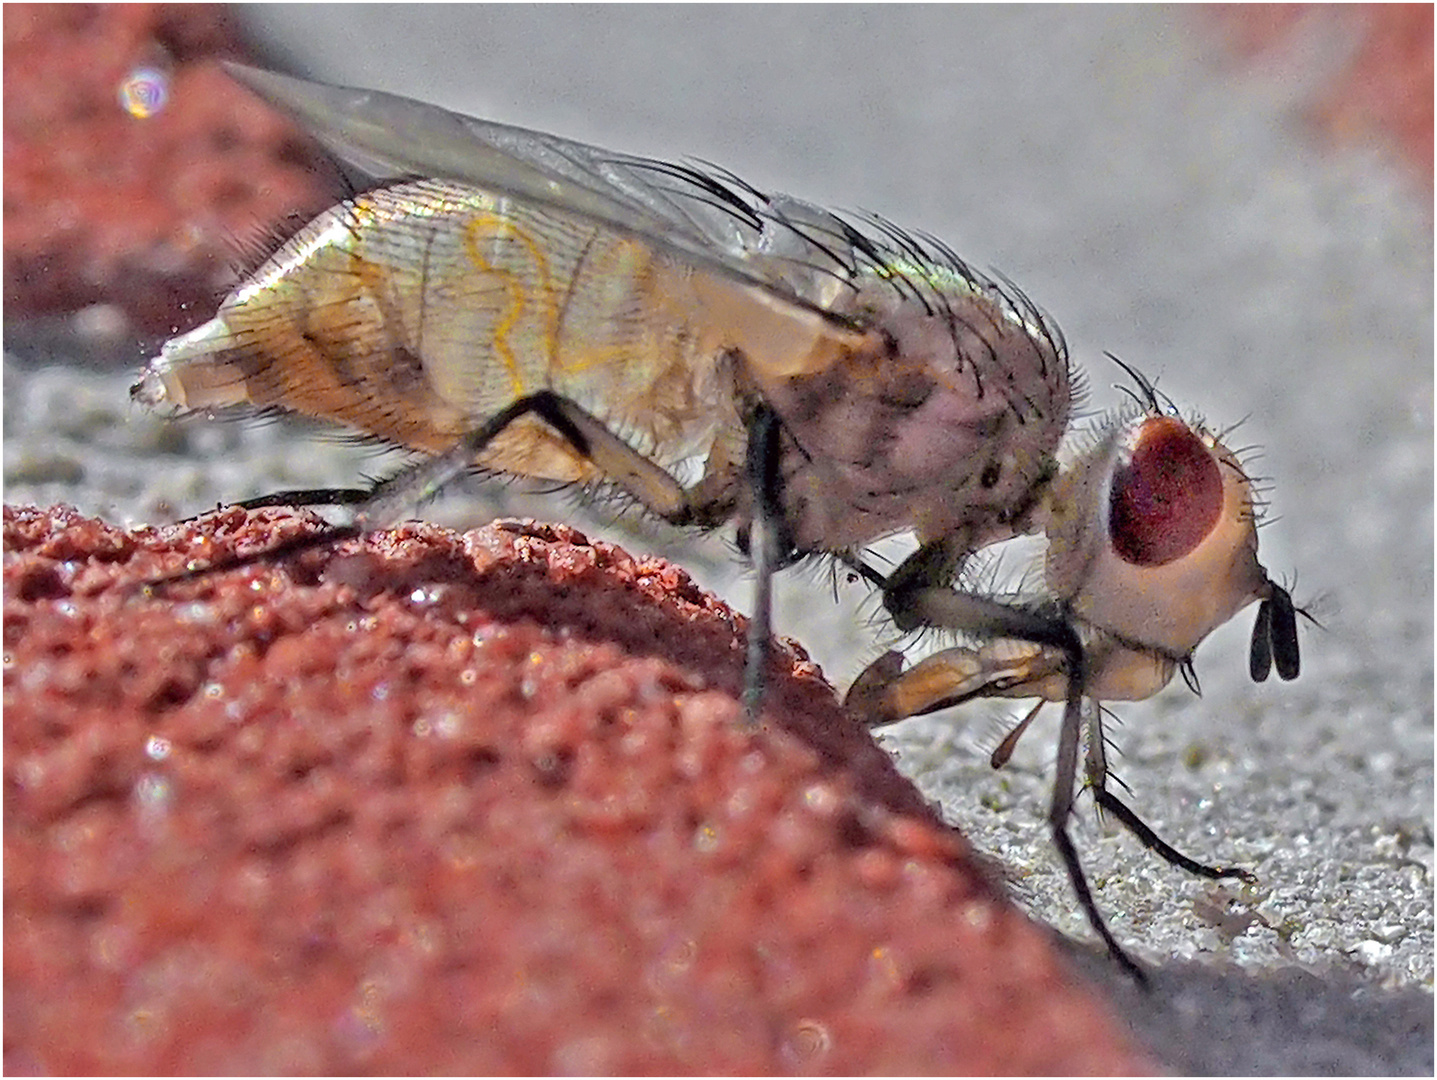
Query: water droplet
[807, 1042]
[447, 726]
[153, 794]
[144, 92]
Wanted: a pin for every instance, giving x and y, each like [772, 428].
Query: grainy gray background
[1158, 205]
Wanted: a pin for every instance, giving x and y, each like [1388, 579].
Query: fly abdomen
[413, 310]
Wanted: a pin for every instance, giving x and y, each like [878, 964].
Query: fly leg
[706, 504]
[301, 497]
[389, 500]
[620, 463]
[914, 600]
[308, 497]
[769, 547]
[1097, 770]
[1060, 809]
[375, 508]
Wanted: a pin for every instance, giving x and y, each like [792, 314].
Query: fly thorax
[948, 421]
[1152, 537]
[991, 398]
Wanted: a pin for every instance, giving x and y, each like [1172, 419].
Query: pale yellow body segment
[412, 312]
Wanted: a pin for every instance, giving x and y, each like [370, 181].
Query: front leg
[1030, 648]
[1030, 652]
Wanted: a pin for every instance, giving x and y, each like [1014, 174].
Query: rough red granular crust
[1386, 86]
[480, 803]
[143, 214]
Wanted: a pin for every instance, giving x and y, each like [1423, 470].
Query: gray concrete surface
[1159, 206]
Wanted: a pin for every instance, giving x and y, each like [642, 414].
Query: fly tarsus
[1109, 802]
[332, 534]
[305, 497]
[1071, 863]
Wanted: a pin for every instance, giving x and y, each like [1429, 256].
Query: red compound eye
[1167, 498]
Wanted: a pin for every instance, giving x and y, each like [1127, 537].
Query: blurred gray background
[1159, 205]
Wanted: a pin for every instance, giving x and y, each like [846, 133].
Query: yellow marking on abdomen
[503, 229]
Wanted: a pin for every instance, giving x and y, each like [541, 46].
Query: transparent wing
[787, 253]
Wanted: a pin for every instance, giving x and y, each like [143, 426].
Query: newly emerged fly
[516, 302]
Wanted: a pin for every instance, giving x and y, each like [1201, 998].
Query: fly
[519, 303]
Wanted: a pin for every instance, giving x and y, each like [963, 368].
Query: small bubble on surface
[153, 794]
[144, 92]
[806, 1042]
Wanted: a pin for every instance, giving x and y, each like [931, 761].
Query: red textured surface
[144, 214]
[1385, 90]
[479, 803]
